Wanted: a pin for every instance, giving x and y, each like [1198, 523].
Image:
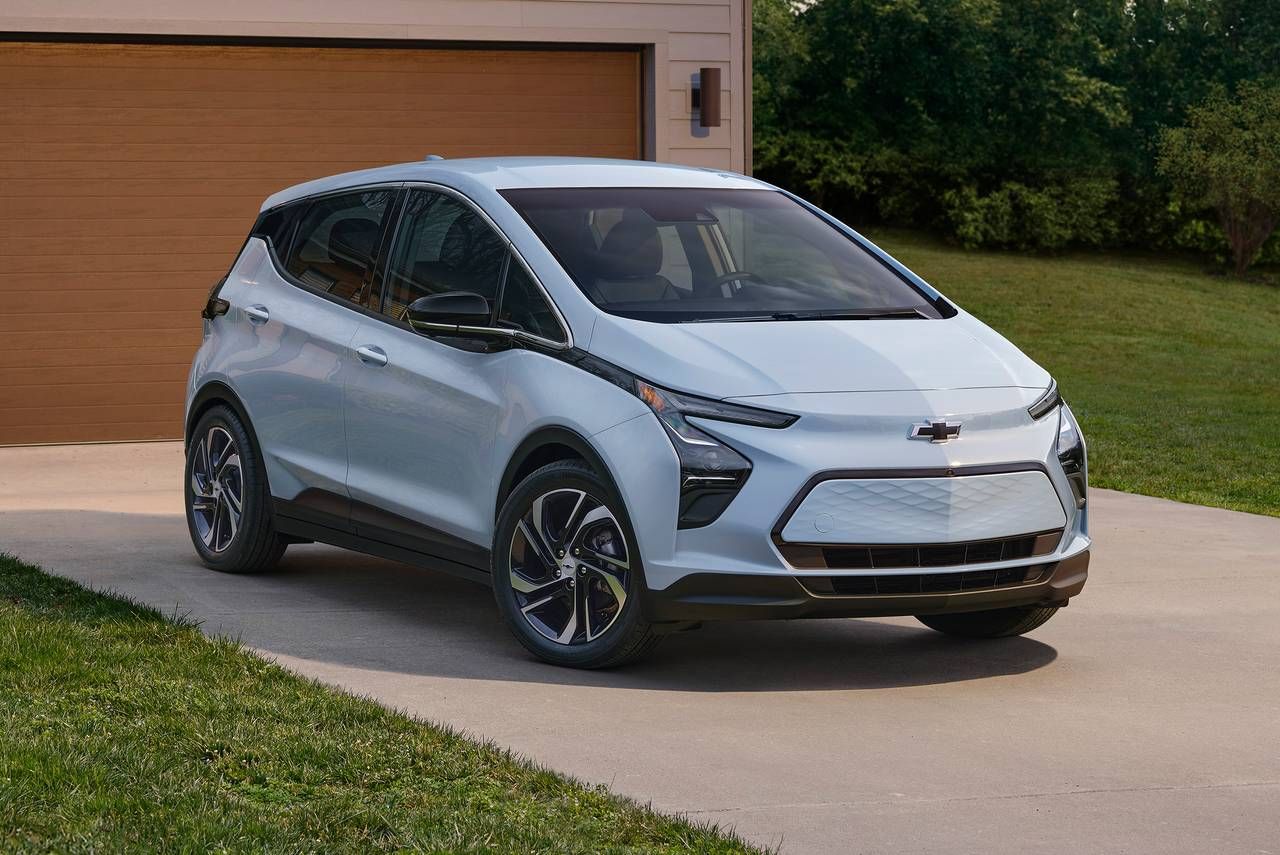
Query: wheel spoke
[540, 546]
[616, 586]
[233, 501]
[209, 453]
[571, 626]
[531, 589]
[215, 523]
[233, 516]
[585, 595]
[199, 487]
[230, 460]
[572, 519]
[621, 564]
[593, 516]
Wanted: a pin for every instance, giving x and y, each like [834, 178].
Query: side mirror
[436, 312]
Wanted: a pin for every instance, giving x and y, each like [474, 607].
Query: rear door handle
[371, 355]
[257, 313]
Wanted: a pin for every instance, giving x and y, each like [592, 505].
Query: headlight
[1071, 454]
[711, 473]
[1046, 402]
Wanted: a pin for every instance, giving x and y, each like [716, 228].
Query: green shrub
[1015, 215]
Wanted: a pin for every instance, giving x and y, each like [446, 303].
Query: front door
[421, 414]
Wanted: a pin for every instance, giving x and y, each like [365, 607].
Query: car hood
[729, 360]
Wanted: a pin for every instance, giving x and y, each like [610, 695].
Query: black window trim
[307, 201]
[512, 252]
[386, 250]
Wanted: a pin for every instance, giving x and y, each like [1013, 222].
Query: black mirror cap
[452, 308]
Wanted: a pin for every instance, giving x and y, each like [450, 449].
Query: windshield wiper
[895, 313]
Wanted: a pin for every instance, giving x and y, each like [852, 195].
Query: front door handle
[371, 355]
[257, 313]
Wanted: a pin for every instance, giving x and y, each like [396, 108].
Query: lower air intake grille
[884, 556]
[923, 583]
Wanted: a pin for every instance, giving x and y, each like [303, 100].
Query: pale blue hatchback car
[630, 397]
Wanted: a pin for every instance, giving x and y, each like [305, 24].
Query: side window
[524, 307]
[442, 245]
[276, 228]
[336, 240]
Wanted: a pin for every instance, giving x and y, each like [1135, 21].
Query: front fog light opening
[1071, 455]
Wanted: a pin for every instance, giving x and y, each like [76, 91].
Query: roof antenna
[433, 157]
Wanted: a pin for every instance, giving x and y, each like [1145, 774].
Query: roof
[502, 173]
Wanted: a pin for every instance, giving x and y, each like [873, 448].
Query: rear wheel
[567, 574]
[227, 500]
[996, 623]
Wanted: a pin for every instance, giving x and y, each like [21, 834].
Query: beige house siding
[679, 36]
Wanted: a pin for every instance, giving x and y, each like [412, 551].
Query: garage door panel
[97, 393]
[369, 154]
[46, 322]
[152, 262]
[555, 113]
[494, 81]
[122, 298]
[92, 340]
[520, 102]
[103, 58]
[104, 375]
[222, 230]
[129, 176]
[126, 432]
[289, 138]
[118, 414]
[107, 245]
[114, 207]
[137, 355]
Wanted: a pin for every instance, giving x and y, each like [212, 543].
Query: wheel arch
[212, 394]
[548, 445]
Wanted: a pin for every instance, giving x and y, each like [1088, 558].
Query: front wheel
[996, 623]
[566, 570]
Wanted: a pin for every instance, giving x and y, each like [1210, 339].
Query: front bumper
[727, 596]
[885, 491]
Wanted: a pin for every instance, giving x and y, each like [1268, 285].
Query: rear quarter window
[276, 227]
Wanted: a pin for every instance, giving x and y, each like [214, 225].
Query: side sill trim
[341, 534]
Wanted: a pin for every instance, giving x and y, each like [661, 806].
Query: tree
[1227, 157]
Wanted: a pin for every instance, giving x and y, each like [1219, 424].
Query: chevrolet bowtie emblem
[936, 430]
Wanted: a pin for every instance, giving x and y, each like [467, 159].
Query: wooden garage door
[130, 174]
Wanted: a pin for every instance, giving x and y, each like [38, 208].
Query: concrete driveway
[1144, 718]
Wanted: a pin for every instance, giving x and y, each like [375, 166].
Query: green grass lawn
[1174, 373]
[121, 730]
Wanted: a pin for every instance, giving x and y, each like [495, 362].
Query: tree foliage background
[1032, 124]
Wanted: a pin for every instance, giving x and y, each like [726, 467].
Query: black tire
[627, 636]
[996, 623]
[252, 545]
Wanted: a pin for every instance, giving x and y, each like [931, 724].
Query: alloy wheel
[217, 489]
[569, 567]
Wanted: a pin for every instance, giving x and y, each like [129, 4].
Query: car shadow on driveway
[328, 605]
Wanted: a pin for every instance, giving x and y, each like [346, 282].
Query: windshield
[685, 254]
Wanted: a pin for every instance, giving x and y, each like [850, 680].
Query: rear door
[295, 322]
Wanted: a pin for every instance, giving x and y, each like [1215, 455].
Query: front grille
[923, 583]
[885, 556]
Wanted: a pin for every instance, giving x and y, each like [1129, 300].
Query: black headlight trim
[1047, 401]
[689, 405]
